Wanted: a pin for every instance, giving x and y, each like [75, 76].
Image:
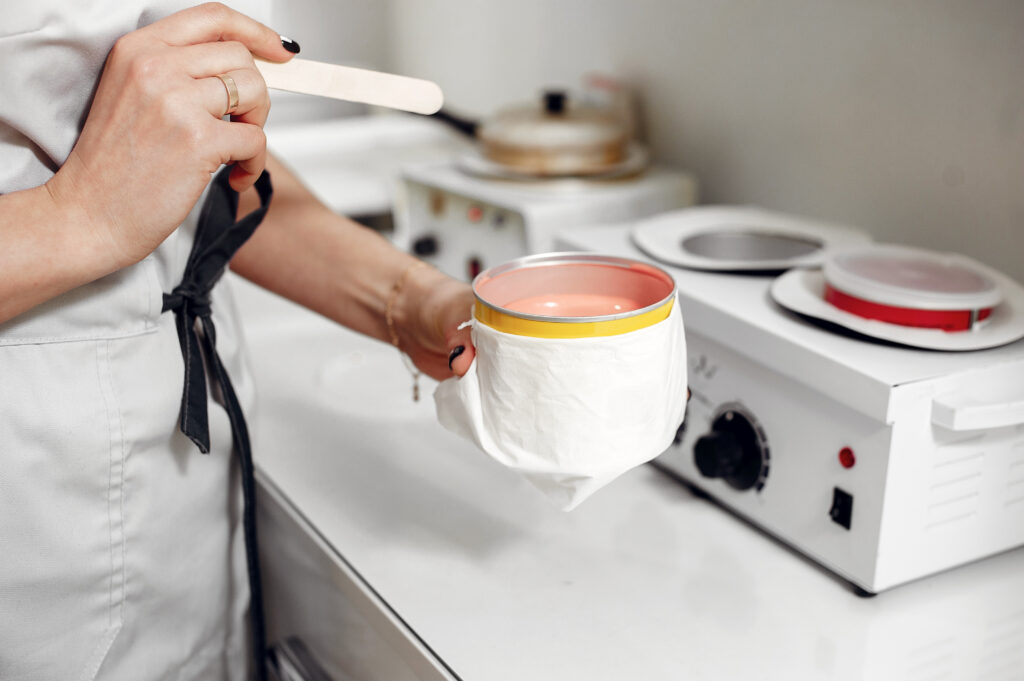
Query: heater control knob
[426, 246]
[735, 450]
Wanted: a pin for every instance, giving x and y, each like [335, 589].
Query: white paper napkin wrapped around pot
[570, 414]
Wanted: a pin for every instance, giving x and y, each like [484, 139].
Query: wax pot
[580, 370]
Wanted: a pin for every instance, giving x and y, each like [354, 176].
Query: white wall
[351, 32]
[906, 118]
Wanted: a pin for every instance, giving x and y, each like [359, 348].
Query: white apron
[121, 556]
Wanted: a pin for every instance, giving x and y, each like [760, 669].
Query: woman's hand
[155, 131]
[435, 306]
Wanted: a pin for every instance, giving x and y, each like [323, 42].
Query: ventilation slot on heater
[993, 650]
[932, 661]
[1002, 655]
[954, 492]
[1015, 477]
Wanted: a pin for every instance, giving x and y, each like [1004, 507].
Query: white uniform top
[120, 551]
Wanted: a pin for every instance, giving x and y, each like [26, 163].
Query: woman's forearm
[348, 273]
[326, 262]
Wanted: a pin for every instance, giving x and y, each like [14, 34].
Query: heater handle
[964, 412]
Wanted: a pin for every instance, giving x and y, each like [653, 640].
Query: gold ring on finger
[229, 85]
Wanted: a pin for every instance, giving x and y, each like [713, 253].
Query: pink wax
[574, 305]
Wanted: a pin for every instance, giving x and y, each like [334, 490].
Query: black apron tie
[217, 239]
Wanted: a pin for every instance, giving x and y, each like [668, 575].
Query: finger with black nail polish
[456, 351]
[290, 44]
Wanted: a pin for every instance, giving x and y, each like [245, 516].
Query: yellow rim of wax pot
[538, 326]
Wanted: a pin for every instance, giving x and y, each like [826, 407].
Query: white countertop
[643, 581]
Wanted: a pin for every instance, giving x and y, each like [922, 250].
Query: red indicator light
[475, 213]
[847, 458]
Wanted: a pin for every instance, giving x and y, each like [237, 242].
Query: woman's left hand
[433, 307]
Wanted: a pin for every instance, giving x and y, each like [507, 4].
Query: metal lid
[557, 137]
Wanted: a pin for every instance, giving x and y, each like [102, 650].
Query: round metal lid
[557, 138]
[574, 126]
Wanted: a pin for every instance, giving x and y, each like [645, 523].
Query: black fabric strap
[217, 239]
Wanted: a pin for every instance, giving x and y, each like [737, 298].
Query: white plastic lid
[915, 278]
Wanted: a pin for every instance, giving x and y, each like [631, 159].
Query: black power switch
[842, 507]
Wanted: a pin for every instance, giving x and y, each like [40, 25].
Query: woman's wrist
[86, 228]
[406, 302]
[431, 306]
[399, 309]
[49, 248]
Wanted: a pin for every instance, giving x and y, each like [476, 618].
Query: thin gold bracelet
[389, 319]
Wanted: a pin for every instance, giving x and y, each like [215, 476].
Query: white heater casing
[937, 437]
[463, 223]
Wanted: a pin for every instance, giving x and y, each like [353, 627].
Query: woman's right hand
[155, 132]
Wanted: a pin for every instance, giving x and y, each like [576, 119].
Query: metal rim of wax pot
[572, 258]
